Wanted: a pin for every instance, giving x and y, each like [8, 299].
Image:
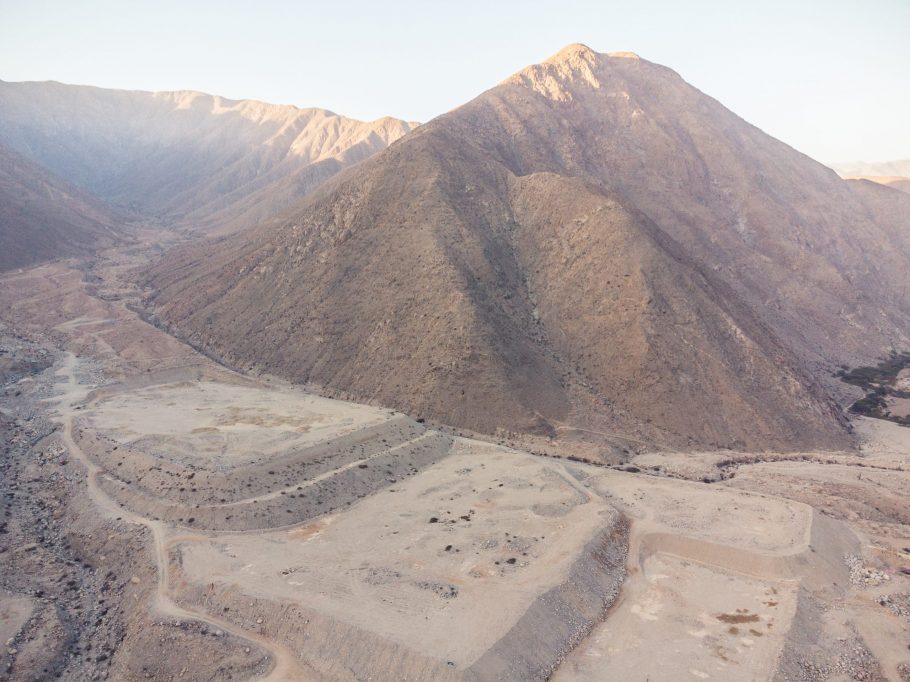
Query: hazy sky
[829, 77]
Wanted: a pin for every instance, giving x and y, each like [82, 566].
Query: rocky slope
[593, 247]
[42, 217]
[185, 156]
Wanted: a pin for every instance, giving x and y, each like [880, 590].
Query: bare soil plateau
[168, 518]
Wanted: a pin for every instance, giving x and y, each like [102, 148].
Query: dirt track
[285, 666]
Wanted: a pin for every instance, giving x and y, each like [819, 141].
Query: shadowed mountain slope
[43, 217]
[591, 247]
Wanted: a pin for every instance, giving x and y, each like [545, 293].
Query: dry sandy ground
[231, 424]
[867, 493]
[219, 526]
[714, 577]
[14, 612]
[444, 564]
[687, 607]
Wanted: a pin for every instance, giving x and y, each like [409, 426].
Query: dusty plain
[169, 518]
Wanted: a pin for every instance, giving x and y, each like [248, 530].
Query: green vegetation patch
[879, 382]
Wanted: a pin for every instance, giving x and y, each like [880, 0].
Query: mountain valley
[566, 383]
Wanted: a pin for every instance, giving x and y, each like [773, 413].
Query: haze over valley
[586, 378]
[188, 157]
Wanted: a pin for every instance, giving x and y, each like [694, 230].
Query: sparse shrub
[878, 382]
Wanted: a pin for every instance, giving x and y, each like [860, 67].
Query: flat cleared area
[884, 443]
[713, 578]
[815, 477]
[683, 620]
[753, 523]
[217, 423]
[441, 557]
[444, 563]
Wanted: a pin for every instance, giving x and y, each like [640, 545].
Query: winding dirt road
[285, 665]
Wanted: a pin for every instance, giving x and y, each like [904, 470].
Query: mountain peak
[623, 55]
[573, 52]
[564, 75]
[579, 52]
[558, 77]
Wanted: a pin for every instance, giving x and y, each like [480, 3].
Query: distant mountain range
[200, 160]
[880, 169]
[893, 174]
